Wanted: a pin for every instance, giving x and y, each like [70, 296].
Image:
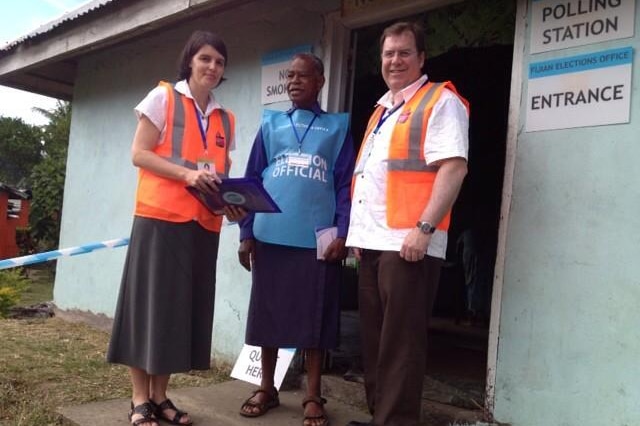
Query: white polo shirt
[447, 137]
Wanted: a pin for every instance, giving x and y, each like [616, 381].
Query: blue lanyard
[203, 134]
[386, 114]
[293, 126]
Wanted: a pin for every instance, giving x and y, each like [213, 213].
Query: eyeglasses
[403, 54]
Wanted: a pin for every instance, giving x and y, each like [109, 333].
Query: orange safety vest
[409, 179]
[167, 199]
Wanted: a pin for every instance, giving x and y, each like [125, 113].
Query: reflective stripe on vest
[415, 160]
[178, 131]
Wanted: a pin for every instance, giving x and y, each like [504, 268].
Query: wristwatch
[425, 227]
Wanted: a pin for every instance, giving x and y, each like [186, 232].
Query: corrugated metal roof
[85, 9]
[15, 193]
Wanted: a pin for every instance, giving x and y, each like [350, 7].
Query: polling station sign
[569, 23]
[578, 91]
[274, 73]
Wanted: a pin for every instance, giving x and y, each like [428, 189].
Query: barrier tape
[71, 251]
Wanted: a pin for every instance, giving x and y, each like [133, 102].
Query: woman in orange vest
[164, 316]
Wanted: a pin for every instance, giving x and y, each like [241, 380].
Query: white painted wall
[101, 181]
[569, 337]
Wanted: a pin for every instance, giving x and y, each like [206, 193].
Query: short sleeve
[154, 107]
[448, 129]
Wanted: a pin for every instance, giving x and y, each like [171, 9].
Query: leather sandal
[272, 401]
[168, 405]
[320, 420]
[146, 410]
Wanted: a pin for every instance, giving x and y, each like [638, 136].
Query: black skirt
[164, 315]
[294, 299]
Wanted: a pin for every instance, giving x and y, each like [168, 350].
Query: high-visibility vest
[167, 199]
[409, 179]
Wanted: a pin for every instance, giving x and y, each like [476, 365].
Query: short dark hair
[401, 27]
[315, 61]
[196, 41]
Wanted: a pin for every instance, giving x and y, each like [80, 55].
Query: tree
[47, 177]
[20, 150]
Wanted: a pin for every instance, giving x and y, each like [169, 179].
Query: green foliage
[471, 24]
[12, 284]
[47, 178]
[21, 148]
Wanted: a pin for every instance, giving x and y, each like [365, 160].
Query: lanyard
[293, 126]
[386, 114]
[203, 134]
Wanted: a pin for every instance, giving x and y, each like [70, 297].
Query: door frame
[337, 46]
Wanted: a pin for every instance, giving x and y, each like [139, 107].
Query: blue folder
[247, 193]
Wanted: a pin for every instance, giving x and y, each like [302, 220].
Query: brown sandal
[272, 401]
[324, 421]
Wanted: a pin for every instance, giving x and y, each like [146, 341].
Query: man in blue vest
[305, 159]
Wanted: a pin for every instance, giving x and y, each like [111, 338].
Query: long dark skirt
[164, 316]
[294, 299]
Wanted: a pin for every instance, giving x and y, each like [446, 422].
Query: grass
[48, 363]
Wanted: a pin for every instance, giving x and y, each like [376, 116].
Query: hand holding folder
[247, 193]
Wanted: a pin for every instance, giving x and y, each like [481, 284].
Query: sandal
[324, 421]
[168, 405]
[272, 401]
[147, 410]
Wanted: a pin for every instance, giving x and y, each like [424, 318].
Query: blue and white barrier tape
[71, 251]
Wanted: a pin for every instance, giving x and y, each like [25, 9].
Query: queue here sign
[248, 366]
[559, 24]
[579, 91]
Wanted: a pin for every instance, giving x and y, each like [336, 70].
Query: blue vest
[301, 184]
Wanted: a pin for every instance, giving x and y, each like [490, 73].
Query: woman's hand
[246, 253]
[203, 180]
[234, 213]
[336, 251]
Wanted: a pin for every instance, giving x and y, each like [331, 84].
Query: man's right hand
[246, 253]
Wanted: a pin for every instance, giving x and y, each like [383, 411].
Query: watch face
[426, 227]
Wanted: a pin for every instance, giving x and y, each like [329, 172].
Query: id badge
[207, 164]
[299, 160]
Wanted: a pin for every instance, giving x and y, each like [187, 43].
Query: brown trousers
[396, 298]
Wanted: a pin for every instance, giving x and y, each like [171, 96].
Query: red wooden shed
[14, 213]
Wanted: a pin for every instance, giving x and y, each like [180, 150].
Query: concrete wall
[569, 337]
[101, 181]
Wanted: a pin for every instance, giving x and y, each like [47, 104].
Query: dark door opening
[471, 44]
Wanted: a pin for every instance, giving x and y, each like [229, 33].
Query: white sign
[274, 74]
[579, 91]
[248, 366]
[560, 24]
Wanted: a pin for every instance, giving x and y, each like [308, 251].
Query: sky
[17, 19]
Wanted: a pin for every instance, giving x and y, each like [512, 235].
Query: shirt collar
[315, 108]
[406, 94]
[182, 87]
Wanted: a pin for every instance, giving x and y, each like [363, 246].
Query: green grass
[40, 286]
[48, 363]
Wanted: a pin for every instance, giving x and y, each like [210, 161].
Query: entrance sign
[559, 24]
[274, 74]
[579, 91]
[248, 367]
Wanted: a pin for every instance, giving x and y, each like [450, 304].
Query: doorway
[470, 44]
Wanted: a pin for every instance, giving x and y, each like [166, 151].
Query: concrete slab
[215, 405]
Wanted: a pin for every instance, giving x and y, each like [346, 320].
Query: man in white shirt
[409, 171]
